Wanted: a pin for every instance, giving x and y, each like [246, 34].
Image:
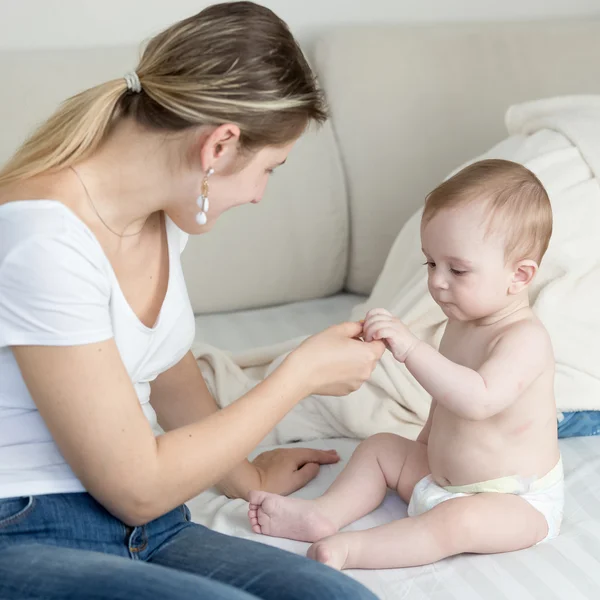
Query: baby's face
[467, 274]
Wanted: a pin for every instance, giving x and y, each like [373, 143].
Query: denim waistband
[77, 521]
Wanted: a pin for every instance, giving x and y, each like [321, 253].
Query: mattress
[564, 568]
[243, 330]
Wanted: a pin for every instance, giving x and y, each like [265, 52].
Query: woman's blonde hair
[516, 202]
[235, 62]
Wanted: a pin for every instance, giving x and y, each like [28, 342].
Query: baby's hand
[381, 325]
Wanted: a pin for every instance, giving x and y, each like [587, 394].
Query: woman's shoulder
[44, 247]
[46, 224]
[54, 285]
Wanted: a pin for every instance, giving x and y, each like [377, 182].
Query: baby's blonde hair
[234, 62]
[517, 203]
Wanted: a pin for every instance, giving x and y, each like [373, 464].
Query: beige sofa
[408, 104]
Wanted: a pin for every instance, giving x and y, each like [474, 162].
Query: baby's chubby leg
[380, 462]
[481, 524]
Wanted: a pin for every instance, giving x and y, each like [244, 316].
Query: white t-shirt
[58, 288]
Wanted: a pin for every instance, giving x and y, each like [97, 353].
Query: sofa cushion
[244, 330]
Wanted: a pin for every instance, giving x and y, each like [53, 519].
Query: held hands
[335, 362]
[379, 324]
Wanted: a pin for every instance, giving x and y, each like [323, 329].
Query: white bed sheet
[565, 568]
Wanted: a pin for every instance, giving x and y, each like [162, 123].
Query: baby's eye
[456, 272]
[430, 264]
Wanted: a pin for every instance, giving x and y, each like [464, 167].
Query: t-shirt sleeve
[54, 291]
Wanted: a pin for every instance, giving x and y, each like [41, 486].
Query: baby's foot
[332, 551]
[291, 518]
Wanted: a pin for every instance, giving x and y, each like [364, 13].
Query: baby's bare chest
[469, 348]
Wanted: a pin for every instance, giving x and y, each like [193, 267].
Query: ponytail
[73, 132]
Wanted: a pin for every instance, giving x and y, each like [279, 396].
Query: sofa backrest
[411, 103]
[408, 104]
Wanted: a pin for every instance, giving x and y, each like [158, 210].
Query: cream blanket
[559, 140]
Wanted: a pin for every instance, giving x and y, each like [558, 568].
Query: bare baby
[485, 473]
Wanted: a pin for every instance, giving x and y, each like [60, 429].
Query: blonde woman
[96, 327]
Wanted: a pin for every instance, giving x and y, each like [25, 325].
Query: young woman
[96, 327]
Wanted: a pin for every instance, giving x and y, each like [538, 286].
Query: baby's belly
[466, 452]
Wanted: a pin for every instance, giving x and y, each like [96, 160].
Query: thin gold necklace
[121, 235]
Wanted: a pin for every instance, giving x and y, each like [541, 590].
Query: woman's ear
[219, 150]
[523, 273]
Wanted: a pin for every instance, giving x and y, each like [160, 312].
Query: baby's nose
[439, 281]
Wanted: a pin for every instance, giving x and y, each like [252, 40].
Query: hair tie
[133, 82]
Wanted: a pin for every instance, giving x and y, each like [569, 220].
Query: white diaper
[547, 495]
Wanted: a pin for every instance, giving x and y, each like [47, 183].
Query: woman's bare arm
[180, 397]
[88, 402]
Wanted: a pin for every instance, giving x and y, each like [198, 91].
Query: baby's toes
[264, 521]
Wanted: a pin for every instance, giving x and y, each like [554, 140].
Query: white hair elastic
[133, 82]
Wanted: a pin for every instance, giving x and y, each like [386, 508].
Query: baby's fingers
[384, 333]
[378, 312]
[372, 323]
[373, 327]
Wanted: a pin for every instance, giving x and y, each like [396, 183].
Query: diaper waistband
[512, 484]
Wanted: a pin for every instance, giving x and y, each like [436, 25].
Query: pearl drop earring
[202, 200]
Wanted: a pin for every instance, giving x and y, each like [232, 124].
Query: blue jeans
[580, 423]
[67, 546]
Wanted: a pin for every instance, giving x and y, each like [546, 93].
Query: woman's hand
[334, 362]
[285, 470]
[381, 325]
[280, 471]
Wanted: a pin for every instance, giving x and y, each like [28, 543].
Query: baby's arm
[517, 359]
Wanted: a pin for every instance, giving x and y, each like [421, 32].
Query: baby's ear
[523, 274]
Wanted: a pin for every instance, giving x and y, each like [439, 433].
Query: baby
[484, 474]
